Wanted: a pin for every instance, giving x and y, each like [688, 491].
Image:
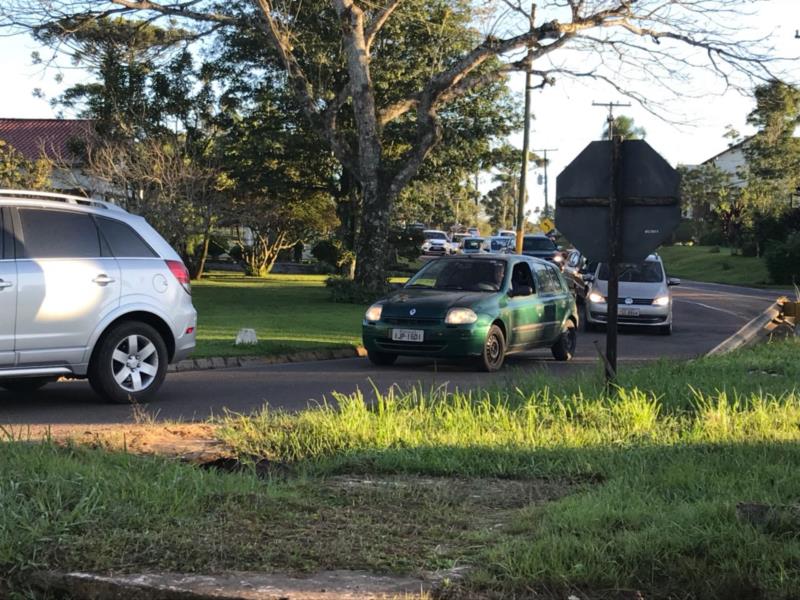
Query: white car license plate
[628, 312]
[408, 335]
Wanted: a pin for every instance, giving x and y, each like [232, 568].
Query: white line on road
[722, 310]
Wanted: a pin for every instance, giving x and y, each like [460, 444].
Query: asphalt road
[705, 315]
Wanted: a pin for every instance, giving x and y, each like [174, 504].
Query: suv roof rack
[55, 197]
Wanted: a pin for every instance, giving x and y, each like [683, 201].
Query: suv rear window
[537, 244]
[123, 240]
[58, 234]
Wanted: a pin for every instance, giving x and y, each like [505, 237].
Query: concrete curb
[754, 331]
[219, 362]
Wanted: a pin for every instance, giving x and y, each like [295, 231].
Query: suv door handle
[103, 279]
[5, 284]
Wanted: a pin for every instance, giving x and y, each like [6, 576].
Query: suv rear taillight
[181, 273]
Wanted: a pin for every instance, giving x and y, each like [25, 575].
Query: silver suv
[88, 290]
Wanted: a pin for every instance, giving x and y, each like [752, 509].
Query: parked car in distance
[506, 233]
[473, 245]
[480, 307]
[501, 244]
[458, 240]
[88, 290]
[541, 246]
[576, 268]
[645, 297]
[473, 231]
[436, 243]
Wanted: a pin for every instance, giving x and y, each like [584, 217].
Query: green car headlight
[460, 316]
[374, 312]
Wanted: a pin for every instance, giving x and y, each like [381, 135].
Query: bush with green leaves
[783, 260]
[348, 291]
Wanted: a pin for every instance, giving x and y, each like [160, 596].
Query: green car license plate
[408, 335]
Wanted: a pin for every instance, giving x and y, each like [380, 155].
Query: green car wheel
[494, 350]
[564, 348]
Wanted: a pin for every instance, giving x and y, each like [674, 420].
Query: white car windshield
[646, 272]
[435, 235]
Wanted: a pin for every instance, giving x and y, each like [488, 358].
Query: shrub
[347, 291]
[333, 254]
[684, 232]
[711, 237]
[783, 260]
[713, 250]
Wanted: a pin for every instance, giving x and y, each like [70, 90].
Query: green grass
[643, 485]
[289, 313]
[699, 263]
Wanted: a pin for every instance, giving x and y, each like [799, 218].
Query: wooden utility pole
[526, 148]
[526, 140]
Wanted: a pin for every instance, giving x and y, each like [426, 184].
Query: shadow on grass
[710, 521]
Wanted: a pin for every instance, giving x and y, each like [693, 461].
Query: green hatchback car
[480, 307]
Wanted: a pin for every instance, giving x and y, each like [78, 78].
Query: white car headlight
[426, 245]
[597, 298]
[661, 301]
[558, 258]
[460, 316]
[374, 312]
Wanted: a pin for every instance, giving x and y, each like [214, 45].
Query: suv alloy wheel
[130, 363]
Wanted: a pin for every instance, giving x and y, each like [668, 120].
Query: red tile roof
[32, 137]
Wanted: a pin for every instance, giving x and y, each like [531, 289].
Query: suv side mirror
[521, 290]
[673, 281]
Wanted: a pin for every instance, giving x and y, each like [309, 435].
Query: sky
[564, 116]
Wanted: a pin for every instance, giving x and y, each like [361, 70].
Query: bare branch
[378, 22]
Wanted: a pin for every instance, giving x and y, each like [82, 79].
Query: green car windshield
[461, 274]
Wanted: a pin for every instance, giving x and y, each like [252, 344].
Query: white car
[88, 290]
[501, 244]
[437, 243]
[645, 297]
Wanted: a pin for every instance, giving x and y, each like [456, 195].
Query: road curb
[755, 330]
[228, 362]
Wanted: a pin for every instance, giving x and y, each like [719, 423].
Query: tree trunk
[373, 243]
[201, 262]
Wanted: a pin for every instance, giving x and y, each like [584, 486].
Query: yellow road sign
[546, 224]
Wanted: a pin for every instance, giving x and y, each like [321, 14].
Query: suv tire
[26, 385]
[129, 364]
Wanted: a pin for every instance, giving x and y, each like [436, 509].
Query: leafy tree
[773, 153]
[370, 81]
[264, 226]
[282, 184]
[626, 128]
[17, 172]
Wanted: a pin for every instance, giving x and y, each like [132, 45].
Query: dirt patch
[194, 442]
[489, 493]
[327, 585]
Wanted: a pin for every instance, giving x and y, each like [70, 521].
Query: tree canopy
[359, 88]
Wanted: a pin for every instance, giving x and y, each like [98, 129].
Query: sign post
[617, 202]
